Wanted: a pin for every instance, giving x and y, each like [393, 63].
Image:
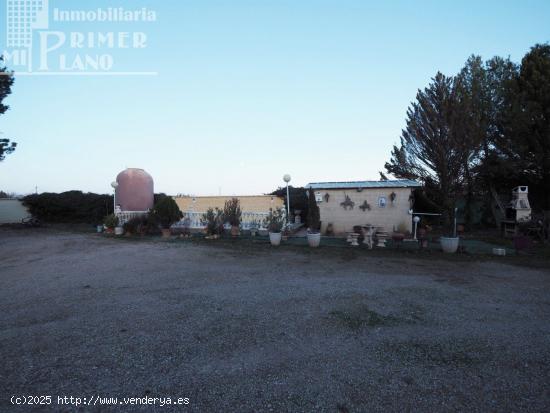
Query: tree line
[478, 134]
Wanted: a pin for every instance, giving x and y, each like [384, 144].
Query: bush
[69, 207]
[166, 211]
[143, 225]
[313, 214]
[213, 219]
[275, 220]
[110, 221]
[134, 225]
[232, 212]
[298, 199]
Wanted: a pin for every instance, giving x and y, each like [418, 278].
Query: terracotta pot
[119, 230]
[109, 230]
[398, 236]
[235, 231]
[165, 232]
[275, 238]
[314, 239]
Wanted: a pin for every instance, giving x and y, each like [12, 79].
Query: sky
[244, 92]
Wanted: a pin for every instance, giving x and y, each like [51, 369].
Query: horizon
[318, 90]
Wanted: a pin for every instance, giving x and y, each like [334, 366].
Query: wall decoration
[365, 206]
[348, 203]
[327, 197]
[392, 197]
[359, 189]
[382, 202]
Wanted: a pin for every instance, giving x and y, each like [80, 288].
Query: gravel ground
[267, 329]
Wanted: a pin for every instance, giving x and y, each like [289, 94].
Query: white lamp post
[286, 178]
[416, 220]
[114, 184]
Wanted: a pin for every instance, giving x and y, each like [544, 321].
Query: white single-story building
[385, 204]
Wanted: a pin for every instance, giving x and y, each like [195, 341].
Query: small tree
[213, 219]
[167, 212]
[232, 212]
[313, 213]
[275, 220]
[110, 221]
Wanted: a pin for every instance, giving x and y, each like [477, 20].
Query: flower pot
[275, 238]
[398, 236]
[99, 229]
[449, 244]
[119, 230]
[109, 230]
[165, 232]
[313, 239]
[235, 231]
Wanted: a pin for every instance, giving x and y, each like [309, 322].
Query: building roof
[395, 183]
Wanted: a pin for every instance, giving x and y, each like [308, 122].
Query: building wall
[12, 211]
[249, 203]
[389, 217]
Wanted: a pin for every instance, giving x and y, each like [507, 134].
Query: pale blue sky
[250, 90]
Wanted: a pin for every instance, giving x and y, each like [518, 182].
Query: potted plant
[232, 214]
[110, 222]
[449, 243]
[167, 212]
[133, 226]
[313, 221]
[398, 234]
[255, 227]
[213, 219]
[274, 223]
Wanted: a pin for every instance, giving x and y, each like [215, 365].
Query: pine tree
[6, 81]
[433, 145]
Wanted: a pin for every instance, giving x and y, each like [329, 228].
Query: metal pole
[454, 228]
[287, 205]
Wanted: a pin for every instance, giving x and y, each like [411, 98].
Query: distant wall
[389, 217]
[249, 203]
[12, 211]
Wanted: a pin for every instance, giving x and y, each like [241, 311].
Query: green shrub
[275, 220]
[134, 225]
[69, 207]
[313, 213]
[232, 212]
[143, 224]
[166, 211]
[110, 221]
[213, 219]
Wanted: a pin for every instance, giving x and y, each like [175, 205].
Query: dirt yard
[259, 330]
